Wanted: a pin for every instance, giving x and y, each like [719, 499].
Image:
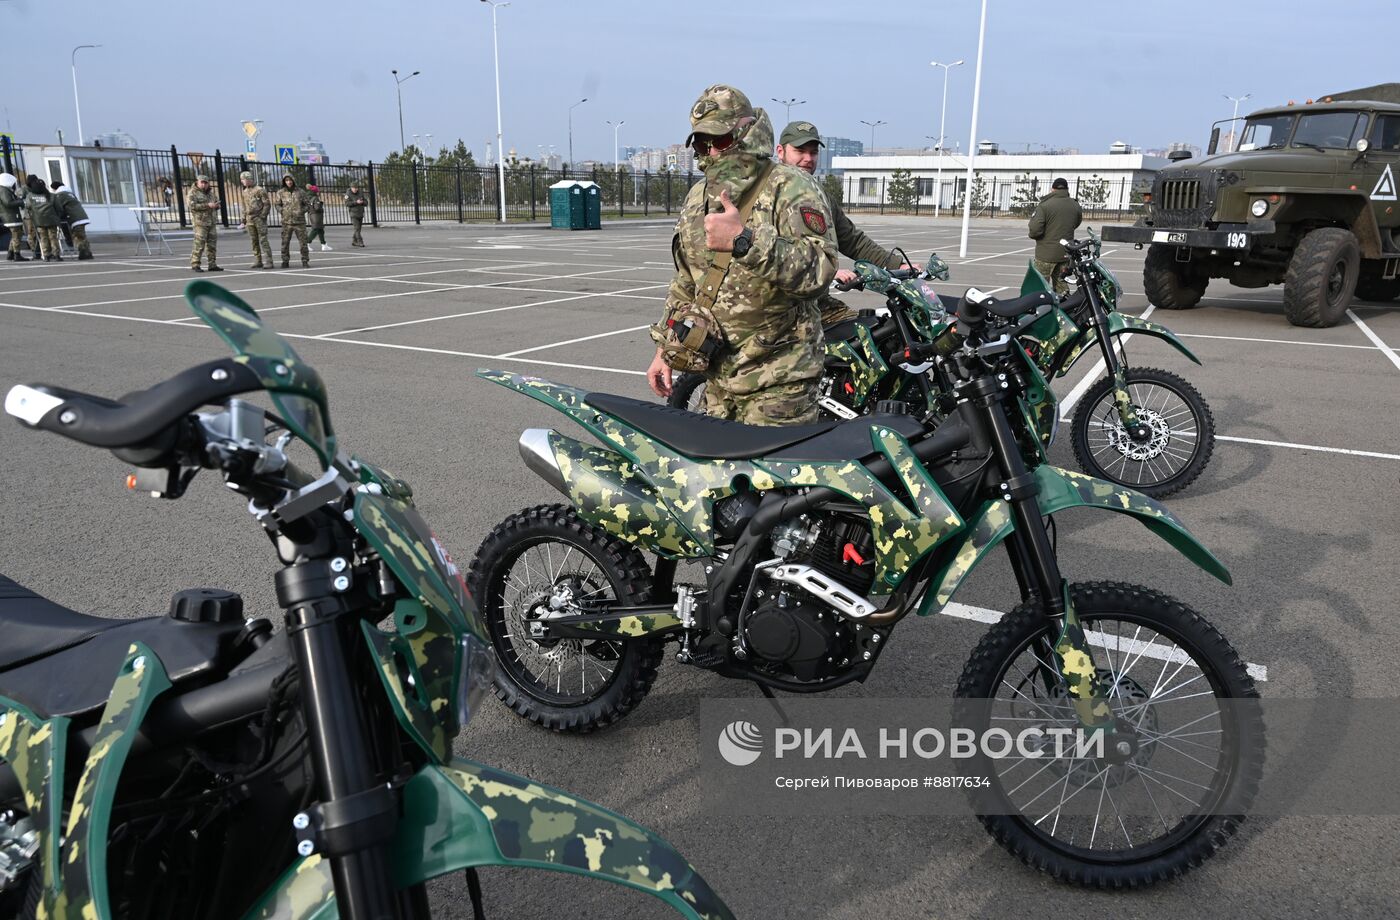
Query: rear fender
[1061, 489]
[464, 815]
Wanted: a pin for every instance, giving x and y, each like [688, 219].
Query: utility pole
[500, 144]
[789, 103]
[398, 83]
[942, 133]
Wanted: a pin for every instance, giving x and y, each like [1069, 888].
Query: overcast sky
[1078, 74]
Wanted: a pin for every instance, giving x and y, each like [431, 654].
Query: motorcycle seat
[35, 626]
[846, 328]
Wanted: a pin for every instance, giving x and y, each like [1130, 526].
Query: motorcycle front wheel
[688, 392]
[1174, 685]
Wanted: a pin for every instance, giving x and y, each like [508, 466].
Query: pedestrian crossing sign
[286, 155]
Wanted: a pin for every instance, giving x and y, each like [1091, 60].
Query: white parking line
[467, 354]
[997, 255]
[601, 335]
[1245, 338]
[1394, 359]
[1328, 450]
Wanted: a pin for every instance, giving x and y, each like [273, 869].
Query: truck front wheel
[1170, 284]
[1321, 278]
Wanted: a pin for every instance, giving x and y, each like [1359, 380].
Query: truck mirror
[1214, 140]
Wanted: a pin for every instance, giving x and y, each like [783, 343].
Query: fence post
[668, 193]
[460, 216]
[417, 214]
[646, 193]
[5, 147]
[179, 186]
[618, 177]
[532, 191]
[219, 181]
[369, 187]
[882, 194]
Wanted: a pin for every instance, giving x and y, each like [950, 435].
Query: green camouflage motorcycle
[816, 541]
[200, 765]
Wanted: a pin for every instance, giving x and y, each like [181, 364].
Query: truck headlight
[1259, 207]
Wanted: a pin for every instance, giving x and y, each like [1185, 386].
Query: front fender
[465, 815]
[1120, 323]
[1061, 489]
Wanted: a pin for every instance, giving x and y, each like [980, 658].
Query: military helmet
[718, 111]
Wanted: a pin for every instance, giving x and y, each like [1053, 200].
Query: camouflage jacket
[356, 202]
[315, 210]
[291, 204]
[1054, 219]
[41, 209]
[767, 302]
[10, 205]
[70, 209]
[197, 204]
[257, 204]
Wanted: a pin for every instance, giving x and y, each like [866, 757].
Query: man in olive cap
[753, 249]
[356, 202]
[797, 146]
[202, 203]
[257, 204]
[1055, 219]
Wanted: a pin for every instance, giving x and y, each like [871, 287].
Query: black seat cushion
[701, 437]
[32, 626]
[848, 440]
[846, 329]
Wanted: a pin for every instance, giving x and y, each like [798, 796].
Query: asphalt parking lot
[1299, 501]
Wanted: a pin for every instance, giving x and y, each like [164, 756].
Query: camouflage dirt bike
[816, 541]
[199, 764]
[1142, 427]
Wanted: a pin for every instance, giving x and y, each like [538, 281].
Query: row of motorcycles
[206, 764]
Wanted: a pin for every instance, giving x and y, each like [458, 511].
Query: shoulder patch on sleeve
[815, 220]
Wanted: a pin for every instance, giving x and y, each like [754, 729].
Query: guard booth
[575, 204]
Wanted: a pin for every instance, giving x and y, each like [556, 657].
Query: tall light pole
[500, 146]
[571, 129]
[789, 103]
[873, 125]
[972, 142]
[73, 59]
[942, 133]
[424, 150]
[398, 83]
[1235, 138]
[617, 165]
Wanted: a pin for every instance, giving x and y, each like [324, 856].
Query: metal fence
[992, 196]
[400, 192]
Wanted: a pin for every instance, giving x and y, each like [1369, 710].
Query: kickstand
[766, 691]
[474, 891]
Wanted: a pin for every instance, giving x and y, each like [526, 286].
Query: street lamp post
[942, 133]
[617, 164]
[398, 83]
[873, 125]
[1235, 138]
[571, 129]
[789, 103]
[73, 59]
[500, 146]
[972, 141]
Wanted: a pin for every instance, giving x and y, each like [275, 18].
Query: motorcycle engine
[19, 844]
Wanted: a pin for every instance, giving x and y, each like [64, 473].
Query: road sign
[252, 155]
[252, 146]
[196, 158]
[250, 128]
[286, 155]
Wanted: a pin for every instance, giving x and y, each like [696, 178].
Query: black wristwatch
[743, 243]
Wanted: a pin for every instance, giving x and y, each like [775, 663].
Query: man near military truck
[356, 201]
[201, 205]
[291, 205]
[768, 359]
[257, 205]
[798, 147]
[1055, 219]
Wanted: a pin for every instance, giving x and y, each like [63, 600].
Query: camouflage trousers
[1054, 272]
[17, 238]
[80, 242]
[262, 246]
[781, 404]
[356, 223]
[46, 238]
[30, 234]
[834, 310]
[300, 231]
[206, 240]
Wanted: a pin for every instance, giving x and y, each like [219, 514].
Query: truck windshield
[1329, 129]
[1266, 131]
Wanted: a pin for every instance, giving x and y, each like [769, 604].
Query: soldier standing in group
[355, 201]
[257, 204]
[1055, 219]
[754, 247]
[72, 213]
[11, 213]
[45, 217]
[316, 217]
[201, 205]
[798, 147]
[291, 204]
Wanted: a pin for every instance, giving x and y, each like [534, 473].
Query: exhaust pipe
[538, 455]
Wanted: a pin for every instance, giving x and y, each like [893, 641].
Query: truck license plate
[1164, 236]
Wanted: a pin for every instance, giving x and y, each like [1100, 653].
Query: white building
[104, 178]
[866, 179]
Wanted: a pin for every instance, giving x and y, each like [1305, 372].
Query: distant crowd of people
[301, 209]
[35, 214]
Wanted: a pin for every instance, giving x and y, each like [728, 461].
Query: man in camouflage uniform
[356, 201]
[257, 204]
[1055, 219]
[797, 146]
[72, 214]
[767, 370]
[201, 204]
[291, 204]
[11, 213]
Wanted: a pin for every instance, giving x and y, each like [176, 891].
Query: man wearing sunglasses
[749, 280]
[798, 147]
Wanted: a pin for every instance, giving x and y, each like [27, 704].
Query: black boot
[305, 263]
[84, 256]
[215, 268]
[10, 256]
[196, 268]
[19, 256]
[286, 264]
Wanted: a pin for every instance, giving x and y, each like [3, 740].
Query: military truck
[1307, 199]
